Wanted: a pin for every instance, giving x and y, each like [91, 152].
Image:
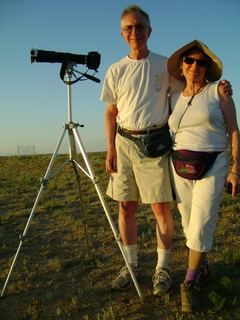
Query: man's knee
[128, 207]
[161, 208]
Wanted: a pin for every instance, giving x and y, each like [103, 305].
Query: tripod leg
[23, 236]
[92, 177]
[73, 155]
[81, 205]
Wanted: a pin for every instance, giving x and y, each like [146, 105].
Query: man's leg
[164, 224]
[127, 222]
[162, 283]
[128, 232]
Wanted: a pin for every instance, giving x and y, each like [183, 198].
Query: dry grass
[55, 277]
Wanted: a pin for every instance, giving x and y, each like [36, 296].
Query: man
[136, 90]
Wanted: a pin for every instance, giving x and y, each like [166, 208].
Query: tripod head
[91, 60]
[68, 71]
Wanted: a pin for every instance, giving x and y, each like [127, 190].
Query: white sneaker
[162, 282]
[124, 280]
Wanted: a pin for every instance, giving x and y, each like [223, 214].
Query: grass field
[63, 272]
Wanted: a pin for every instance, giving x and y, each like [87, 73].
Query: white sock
[163, 257]
[131, 254]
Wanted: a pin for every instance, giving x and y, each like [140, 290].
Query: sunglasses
[200, 62]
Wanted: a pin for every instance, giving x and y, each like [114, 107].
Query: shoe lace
[123, 272]
[203, 271]
[204, 275]
[161, 276]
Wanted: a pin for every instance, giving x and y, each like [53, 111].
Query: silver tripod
[74, 139]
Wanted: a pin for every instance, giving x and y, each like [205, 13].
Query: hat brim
[214, 71]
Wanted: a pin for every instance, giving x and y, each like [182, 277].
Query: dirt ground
[60, 275]
[55, 278]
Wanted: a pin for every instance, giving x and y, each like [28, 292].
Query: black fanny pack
[153, 145]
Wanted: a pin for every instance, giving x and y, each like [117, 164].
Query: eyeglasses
[200, 62]
[138, 28]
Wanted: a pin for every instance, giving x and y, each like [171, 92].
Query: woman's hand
[233, 182]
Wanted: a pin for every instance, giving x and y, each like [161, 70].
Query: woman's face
[194, 66]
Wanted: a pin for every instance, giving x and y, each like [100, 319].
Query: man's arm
[110, 129]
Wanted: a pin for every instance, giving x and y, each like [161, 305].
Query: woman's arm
[229, 113]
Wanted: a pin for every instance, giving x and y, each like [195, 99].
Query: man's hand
[111, 161]
[227, 88]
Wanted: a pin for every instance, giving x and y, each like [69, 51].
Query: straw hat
[214, 70]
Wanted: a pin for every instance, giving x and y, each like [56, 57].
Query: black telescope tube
[52, 56]
[92, 60]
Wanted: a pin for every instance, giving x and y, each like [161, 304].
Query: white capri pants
[199, 201]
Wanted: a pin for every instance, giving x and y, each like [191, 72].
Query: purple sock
[191, 275]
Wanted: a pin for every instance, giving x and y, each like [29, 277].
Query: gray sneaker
[190, 297]
[162, 282]
[124, 279]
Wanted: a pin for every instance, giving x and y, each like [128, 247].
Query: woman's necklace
[190, 101]
[188, 105]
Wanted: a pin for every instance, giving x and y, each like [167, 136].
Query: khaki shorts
[139, 177]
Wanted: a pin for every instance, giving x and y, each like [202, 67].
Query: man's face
[135, 31]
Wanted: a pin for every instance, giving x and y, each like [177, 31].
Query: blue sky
[33, 98]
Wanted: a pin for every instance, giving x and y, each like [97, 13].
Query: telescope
[91, 60]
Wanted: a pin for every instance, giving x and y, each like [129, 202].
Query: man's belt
[130, 132]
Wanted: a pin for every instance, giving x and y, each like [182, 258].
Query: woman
[203, 122]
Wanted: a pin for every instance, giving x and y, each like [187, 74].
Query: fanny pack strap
[125, 135]
[161, 131]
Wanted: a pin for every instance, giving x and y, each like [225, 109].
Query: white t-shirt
[140, 88]
[201, 126]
